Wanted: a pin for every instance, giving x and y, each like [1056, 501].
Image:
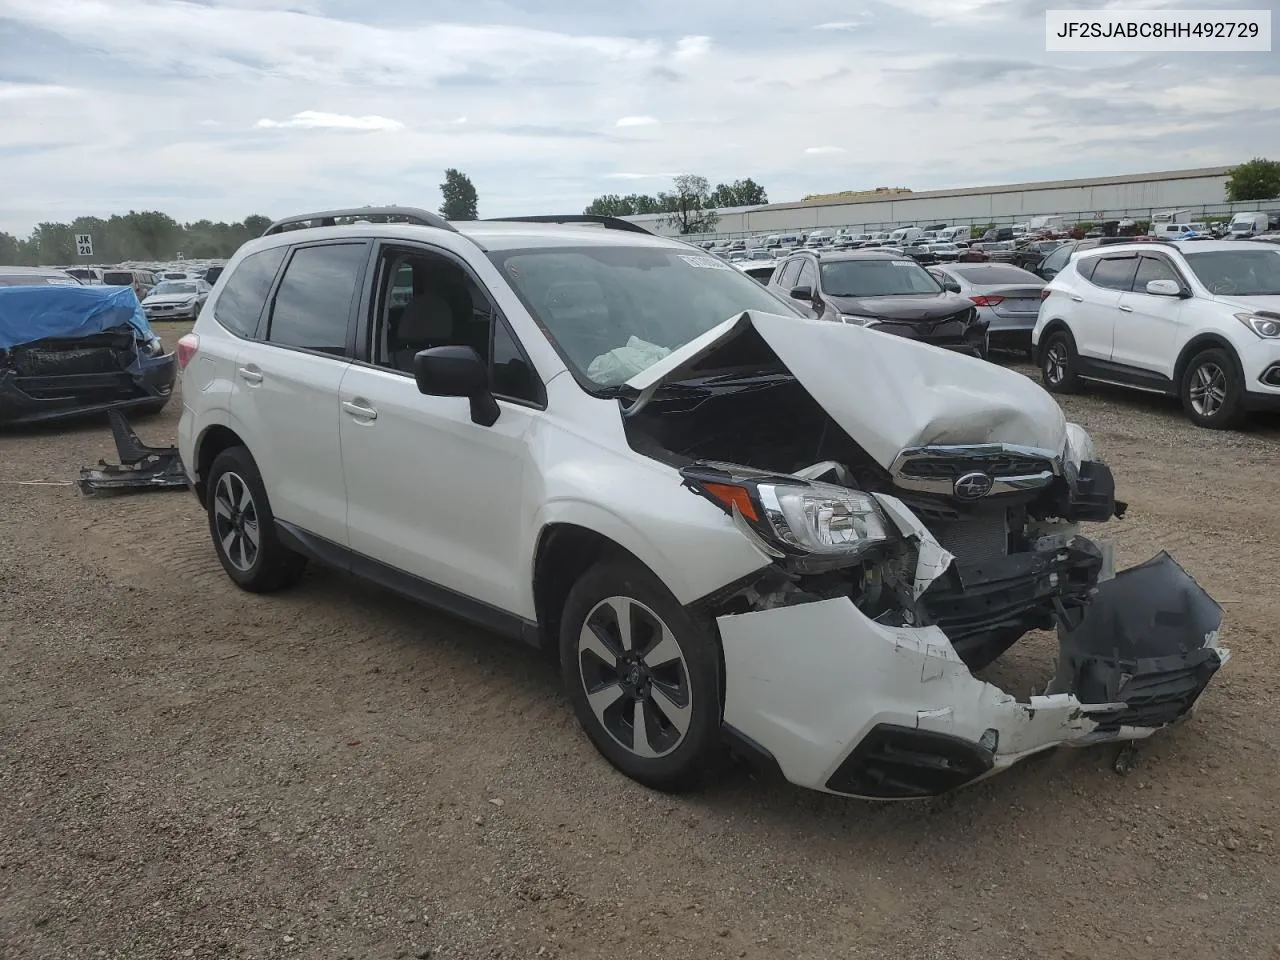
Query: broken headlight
[823, 524]
[1079, 448]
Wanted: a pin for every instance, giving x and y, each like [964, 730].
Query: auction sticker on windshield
[706, 263]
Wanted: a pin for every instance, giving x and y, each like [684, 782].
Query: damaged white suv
[733, 524]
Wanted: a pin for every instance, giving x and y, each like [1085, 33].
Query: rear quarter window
[240, 304]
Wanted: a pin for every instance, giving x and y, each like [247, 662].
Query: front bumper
[146, 383]
[1261, 367]
[847, 705]
[964, 337]
[170, 313]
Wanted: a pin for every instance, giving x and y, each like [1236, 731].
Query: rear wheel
[1211, 390]
[643, 676]
[243, 527]
[1059, 363]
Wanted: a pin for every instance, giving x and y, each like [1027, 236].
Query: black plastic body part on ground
[140, 468]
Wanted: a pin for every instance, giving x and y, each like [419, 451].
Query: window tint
[1085, 266]
[1115, 273]
[808, 276]
[981, 273]
[511, 374]
[313, 303]
[1058, 259]
[790, 270]
[240, 304]
[1153, 268]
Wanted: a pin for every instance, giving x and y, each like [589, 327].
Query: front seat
[427, 321]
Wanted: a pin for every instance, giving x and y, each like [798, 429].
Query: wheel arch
[564, 552]
[1056, 325]
[1198, 344]
[212, 441]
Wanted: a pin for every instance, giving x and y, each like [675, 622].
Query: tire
[238, 509]
[1059, 363]
[1212, 391]
[669, 670]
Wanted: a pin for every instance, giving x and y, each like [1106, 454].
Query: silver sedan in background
[1007, 296]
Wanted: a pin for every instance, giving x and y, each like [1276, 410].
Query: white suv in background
[731, 524]
[1196, 319]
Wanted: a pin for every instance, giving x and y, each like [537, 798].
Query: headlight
[820, 525]
[1079, 447]
[1266, 327]
[861, 321]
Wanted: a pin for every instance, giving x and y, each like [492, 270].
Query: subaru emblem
[972, 486]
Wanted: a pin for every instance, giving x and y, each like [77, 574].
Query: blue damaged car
[71, 349]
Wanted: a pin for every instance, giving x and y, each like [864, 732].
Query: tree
[688, 206]
[459, 196]
[610, 205]
[1258, 179]
[740, 193]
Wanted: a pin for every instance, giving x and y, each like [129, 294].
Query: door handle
[250, 375]
[359, 410]
[1078, 299]
[1126, 309]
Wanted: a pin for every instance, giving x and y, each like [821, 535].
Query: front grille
[954, 467]
[894, 762]
[1154, 698]
[974, 538]
[1009, 468]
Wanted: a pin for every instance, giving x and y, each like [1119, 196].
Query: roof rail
[609, 223]
[329, 218]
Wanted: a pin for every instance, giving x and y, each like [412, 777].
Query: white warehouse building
[1193, 194]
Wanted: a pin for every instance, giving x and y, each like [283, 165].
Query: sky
[223, 108]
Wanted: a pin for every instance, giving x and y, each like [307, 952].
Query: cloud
[460, 120]
[690, 48]
[318, 120]
[840, 25]
[32, 91]
[636, 122]
[823, 151]
[543, 88]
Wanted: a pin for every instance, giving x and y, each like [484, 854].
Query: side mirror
[950, 286]
[802, 293]
[1164, 288]
[456, 371]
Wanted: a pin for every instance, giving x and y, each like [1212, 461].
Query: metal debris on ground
[140, 468]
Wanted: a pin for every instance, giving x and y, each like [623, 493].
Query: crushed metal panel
[140, 468]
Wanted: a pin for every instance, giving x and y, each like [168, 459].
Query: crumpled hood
[924, 307]
[886, 392]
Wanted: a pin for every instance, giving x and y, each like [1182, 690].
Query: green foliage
[1258, 179]
[691, 203]
[459, 193]
[137, 235]
[740, 193]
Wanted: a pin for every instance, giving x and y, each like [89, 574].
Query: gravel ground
[190, 771]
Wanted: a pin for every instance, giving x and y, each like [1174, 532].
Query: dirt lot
[191, 771]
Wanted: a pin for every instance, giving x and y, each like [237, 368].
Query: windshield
[175, 286]
[984, 273]
[1238, 273]
[35, 280]
[943, 246]
[876, 278]
[615, 311]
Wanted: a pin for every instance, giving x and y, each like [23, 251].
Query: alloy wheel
[1055, 362]
[1208, 389]
[235, 518]
[635, 677]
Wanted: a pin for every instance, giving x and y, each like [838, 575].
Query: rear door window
[245, 294]
[787, 278]
[313, 304]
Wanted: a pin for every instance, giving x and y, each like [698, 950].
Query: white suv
[733, 526]
[1197, 319]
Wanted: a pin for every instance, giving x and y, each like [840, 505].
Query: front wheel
[643, 676]
[1212, 393]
